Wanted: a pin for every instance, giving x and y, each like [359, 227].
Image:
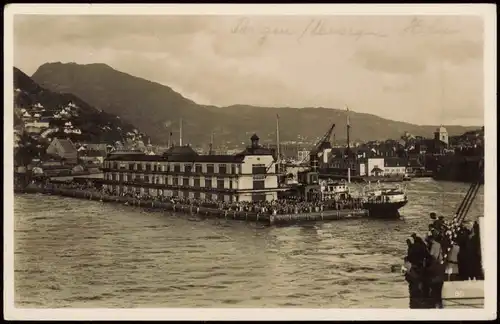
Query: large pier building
[181, 172]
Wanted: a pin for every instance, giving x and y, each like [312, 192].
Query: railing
[192, 173]
[176, 173]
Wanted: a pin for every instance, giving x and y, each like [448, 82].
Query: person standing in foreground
[452, 269]
[436, 272]
[414, 272]
[413, 277]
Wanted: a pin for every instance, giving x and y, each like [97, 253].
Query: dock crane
[317, 150]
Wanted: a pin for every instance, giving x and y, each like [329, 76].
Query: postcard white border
[486, 11]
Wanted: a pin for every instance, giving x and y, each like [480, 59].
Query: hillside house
[77, 169]
[65, 149]
[414, 166]
[371, 167]
[27, 117]
[51, 160]
[394, 166]
[56, 170]
[431, 146]
[35, 127]
[94, 157]
[387, 150]
[45, 119]
[48, 131]
[97, 146]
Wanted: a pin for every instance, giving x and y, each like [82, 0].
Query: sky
[417, 69]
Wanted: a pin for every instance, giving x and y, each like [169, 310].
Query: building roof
[177, 158]
[394, 162]
[99, 145]
[134, 157]
[180, 151]
[255, 151]
[94, 153]
[187, 154]
[255, 148]
[66, 144]
[414, 163]
[211, 158]
[54, 167]
[386, 147]
[441, 129]
[52, 157]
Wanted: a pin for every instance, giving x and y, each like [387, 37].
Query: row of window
[222, 168]
[258, 183]
[218, 168]
[395, 170]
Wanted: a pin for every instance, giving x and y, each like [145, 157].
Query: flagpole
[348, 147]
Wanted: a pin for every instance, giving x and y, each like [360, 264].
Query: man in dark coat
[414, 278]
[420, 251]
[435, 273]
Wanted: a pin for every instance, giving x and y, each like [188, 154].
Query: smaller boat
[384, 202]
[406, 177]
[334, 190]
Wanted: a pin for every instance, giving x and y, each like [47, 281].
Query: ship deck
[456, 295]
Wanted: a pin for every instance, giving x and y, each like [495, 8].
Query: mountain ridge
[158, 108]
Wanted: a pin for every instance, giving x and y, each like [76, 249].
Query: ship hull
[384, 210]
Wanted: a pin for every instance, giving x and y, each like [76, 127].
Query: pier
[264, 218]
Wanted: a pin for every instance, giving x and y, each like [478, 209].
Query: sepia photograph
[250, 162]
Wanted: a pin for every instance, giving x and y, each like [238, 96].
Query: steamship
[384, 202]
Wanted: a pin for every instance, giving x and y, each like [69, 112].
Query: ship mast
[278, 142]
[348, 132]
[348, 147]
[180, 132]
[210, 150]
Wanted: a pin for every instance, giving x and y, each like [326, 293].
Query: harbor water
[79, 253]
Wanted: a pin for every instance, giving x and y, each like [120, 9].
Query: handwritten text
[418, 27]
[314, 28]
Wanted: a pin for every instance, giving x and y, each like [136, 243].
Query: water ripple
[80, 253]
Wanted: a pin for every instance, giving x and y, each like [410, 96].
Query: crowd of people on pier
[450, 252]
[290, 205]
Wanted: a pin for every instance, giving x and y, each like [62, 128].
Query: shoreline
[204, 211]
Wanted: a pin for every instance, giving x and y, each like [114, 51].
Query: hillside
[157, 108]
[58, 109]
